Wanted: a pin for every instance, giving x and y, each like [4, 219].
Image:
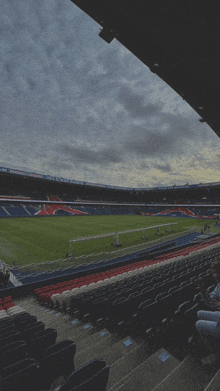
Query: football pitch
[35, 240]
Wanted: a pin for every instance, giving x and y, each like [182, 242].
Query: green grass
[34, 240]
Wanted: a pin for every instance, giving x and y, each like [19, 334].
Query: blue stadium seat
[8, 327]
[57, 360]
[13, 336]
[12, 353]
[148, 316]
[29, 331]
[24, 322]
[24, 375]
[3, 213]
[93, 376]
[41, 341]
[183, 307]
[5, 322]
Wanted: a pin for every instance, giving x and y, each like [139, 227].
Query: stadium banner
[17, 172]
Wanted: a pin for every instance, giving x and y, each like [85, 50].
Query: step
[54, 319]
[76, 334]
[26, 303]
[66, 326]
[33, 308]
[110, 351]
[149, 373]
[25, 300]
[122, 367]
[214, 384]
[186, 377]
[49, 315]
[92, 340]
[83, 352]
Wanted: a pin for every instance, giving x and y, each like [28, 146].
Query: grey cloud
[58, 163]
[103, 156]
[164, 168]
[134, 104]
[165, 134]
[110, 62]
[143, 165]
[152, 144]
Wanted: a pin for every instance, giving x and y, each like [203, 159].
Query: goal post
[116, 236]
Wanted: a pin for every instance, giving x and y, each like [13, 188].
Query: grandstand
[125, 320]
[122, 323]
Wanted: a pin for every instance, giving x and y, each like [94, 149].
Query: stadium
[99, 283]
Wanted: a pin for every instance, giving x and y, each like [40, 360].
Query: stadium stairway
[134, 366]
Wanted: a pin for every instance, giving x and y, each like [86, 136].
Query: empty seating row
[8, 309]
[29, 374]
[113, 306]
[102, 278]
[30, 359]
[16, 211]
[122, 303]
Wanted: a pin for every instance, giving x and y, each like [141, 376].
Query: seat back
[28, 332]
[149, 315]
[46, 333]
[41, 341]
[22, 317]
[21, 376]
[84, 374]
[11, 346]
[97, 382]
[18, 366]
[5, 322]
[7, 333]
[57, 347]
[57, 364]
[27, 322]
[173, 288]
[159, 297]
[7, 329]
[14, 336]
[16, 351]
[144, 304]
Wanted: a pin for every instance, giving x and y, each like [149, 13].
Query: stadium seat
[31, 330]
[5, 322]
[54, 298]
[41, 341]
[26, 322]
[3, 314]
[14, 312]
[149, 316]
[13, 336]
[7, 328]
[183, 307]
[12, 353]
[56, 361]
[91, 376]
[22, 320]
[24, 375]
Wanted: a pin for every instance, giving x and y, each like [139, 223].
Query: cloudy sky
[76, 107]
